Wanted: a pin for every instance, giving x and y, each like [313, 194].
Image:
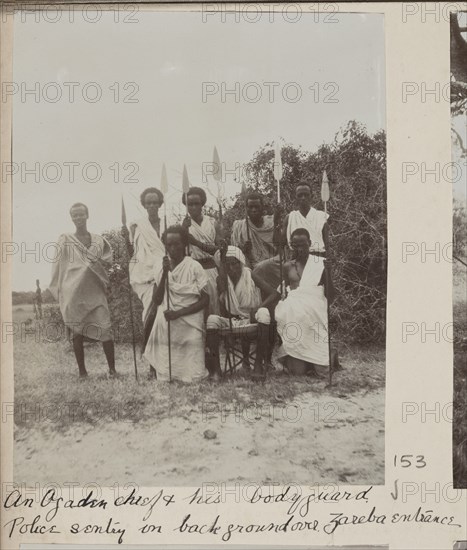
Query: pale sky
[169, 56]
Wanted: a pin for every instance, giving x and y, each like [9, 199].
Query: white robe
[206, 233]
[313, 223]
[302, 320]
[79, 282]
[146, 262]
[186, 282]
[244, 297]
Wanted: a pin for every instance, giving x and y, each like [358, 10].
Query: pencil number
[406, 461]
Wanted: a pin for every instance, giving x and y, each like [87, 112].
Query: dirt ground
[287, 430]
[278, 444]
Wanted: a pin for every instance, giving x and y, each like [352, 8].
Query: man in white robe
[302, 320]
[307, 217]
[242, 307]
[183, 357]
[79, 283]
[148, 249]
[204, 238]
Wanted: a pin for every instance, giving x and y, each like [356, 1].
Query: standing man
[307, 217]
[241, 301]
[204, 238]
[186, 282]
[254, 236]
[79, 282]
[38, 300]
[147, 250]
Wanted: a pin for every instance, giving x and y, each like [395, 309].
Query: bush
[356, 166]
[120, 292]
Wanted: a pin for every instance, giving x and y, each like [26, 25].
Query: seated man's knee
[214, 322]
[263, 316]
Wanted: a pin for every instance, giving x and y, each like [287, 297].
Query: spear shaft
[164, 189]
[325, 198]
[326, 274]
[168, 299]
[130, 298]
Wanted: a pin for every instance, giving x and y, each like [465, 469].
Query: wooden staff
[325, 197]
[130, 299]
[164, 189]
[217, 175]
[244, 193]
[278, 177]
[186, 188]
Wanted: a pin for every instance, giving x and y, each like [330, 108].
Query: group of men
[195, 288]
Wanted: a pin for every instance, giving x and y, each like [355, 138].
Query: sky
[93, 151]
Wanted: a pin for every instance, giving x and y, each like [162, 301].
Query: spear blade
[278, 168]
[123, 213]
[164, 180]
[325, 188]
[217, 172]
[277, 162]
[185, 180]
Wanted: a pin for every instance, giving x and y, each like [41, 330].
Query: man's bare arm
[272, 296]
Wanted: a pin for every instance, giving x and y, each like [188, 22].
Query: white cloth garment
[313, 223]
[146, 262]
[186, 282]
[206, 233]
[302, 320]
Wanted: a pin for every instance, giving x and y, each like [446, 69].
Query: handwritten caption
[295, 511]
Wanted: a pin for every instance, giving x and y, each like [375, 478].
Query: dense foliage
[356, 166]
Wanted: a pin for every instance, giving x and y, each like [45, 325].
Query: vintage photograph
[459, 267]
[199, 246]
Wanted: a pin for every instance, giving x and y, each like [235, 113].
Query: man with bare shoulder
[302, 319]
[80, 282]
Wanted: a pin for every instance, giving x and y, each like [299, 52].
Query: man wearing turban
[242, 308]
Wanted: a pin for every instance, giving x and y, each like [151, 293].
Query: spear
[245, 196]
[129, 292]
[217, 175]
[164, 189]
[325, 197]
[278, 177]
[186, 188]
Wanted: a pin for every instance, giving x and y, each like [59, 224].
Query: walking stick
[164, 189]
[325, 197]
[217, 175]
[227, 293]
[244, 193]
[130, 299]
[186, 188]
[278, 177]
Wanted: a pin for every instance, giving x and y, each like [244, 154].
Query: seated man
[302, 319]
[179, 351]
[242, 306]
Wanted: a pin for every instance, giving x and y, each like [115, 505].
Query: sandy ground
[313, 439]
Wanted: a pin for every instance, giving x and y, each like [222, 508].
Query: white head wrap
[232, 252]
